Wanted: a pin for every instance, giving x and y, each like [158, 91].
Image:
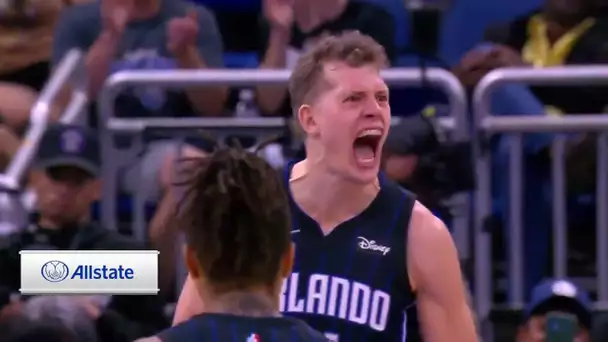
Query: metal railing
[70, 69]
[120, 81]
[456, 123]
[67, 70]
[487, 124]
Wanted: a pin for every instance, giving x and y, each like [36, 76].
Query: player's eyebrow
[354, 92]
[351, 92]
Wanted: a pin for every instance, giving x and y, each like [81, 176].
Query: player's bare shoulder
[427, 239]
[424, 222]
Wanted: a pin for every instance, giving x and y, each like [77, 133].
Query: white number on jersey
[332, 337]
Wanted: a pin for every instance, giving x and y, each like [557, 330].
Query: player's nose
[371, 109]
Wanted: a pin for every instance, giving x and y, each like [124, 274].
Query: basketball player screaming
[366, 250]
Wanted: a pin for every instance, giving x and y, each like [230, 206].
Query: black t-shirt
[365, 17]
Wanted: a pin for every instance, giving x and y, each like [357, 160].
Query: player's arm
[435, 274]
[189, 303]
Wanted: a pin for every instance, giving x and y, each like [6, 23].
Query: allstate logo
[55, 271]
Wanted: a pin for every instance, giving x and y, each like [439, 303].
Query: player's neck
[327, 198]
[251, 303]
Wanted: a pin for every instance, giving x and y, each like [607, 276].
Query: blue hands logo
[55, 271]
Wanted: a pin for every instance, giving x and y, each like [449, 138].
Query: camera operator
[417, 156]
[66, 182]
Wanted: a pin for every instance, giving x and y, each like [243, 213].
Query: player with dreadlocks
[235, 216]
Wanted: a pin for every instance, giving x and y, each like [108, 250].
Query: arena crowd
[62, 188]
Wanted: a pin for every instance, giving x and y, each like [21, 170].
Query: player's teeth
[370, 132]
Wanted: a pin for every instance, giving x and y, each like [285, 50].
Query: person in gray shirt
[148, 35]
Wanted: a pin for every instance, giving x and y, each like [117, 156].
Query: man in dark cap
[558, 310]
[66, 182]
[66, 176]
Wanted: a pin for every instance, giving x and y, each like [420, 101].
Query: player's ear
[288, 260]
[307, 120]
[191, 262]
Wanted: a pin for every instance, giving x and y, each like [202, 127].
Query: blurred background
[499, 128]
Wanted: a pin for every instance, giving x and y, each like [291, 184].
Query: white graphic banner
[89, 272]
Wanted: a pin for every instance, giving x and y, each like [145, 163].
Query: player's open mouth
[366, 146]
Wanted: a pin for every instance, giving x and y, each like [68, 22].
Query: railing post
[602, 220]
[483, 210]
[485, 125]
[68, 69]
[39, 118]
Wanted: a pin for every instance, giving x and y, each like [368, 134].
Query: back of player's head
[235, 216]
[351, 47]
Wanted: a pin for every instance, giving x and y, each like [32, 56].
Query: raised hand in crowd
[473, 66]
[116, 14]
[279, 13]
[182, 33]
[479, 61]
[501, 56]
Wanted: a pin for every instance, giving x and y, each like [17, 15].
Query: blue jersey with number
[352, 284]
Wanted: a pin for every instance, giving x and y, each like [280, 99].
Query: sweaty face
[350, 121]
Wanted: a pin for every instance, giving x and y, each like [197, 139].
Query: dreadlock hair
[235, 217]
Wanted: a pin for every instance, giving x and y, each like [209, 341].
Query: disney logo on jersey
[371, 245]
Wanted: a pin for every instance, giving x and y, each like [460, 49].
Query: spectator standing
[66, 184]
[289, 27]
[149, 35]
